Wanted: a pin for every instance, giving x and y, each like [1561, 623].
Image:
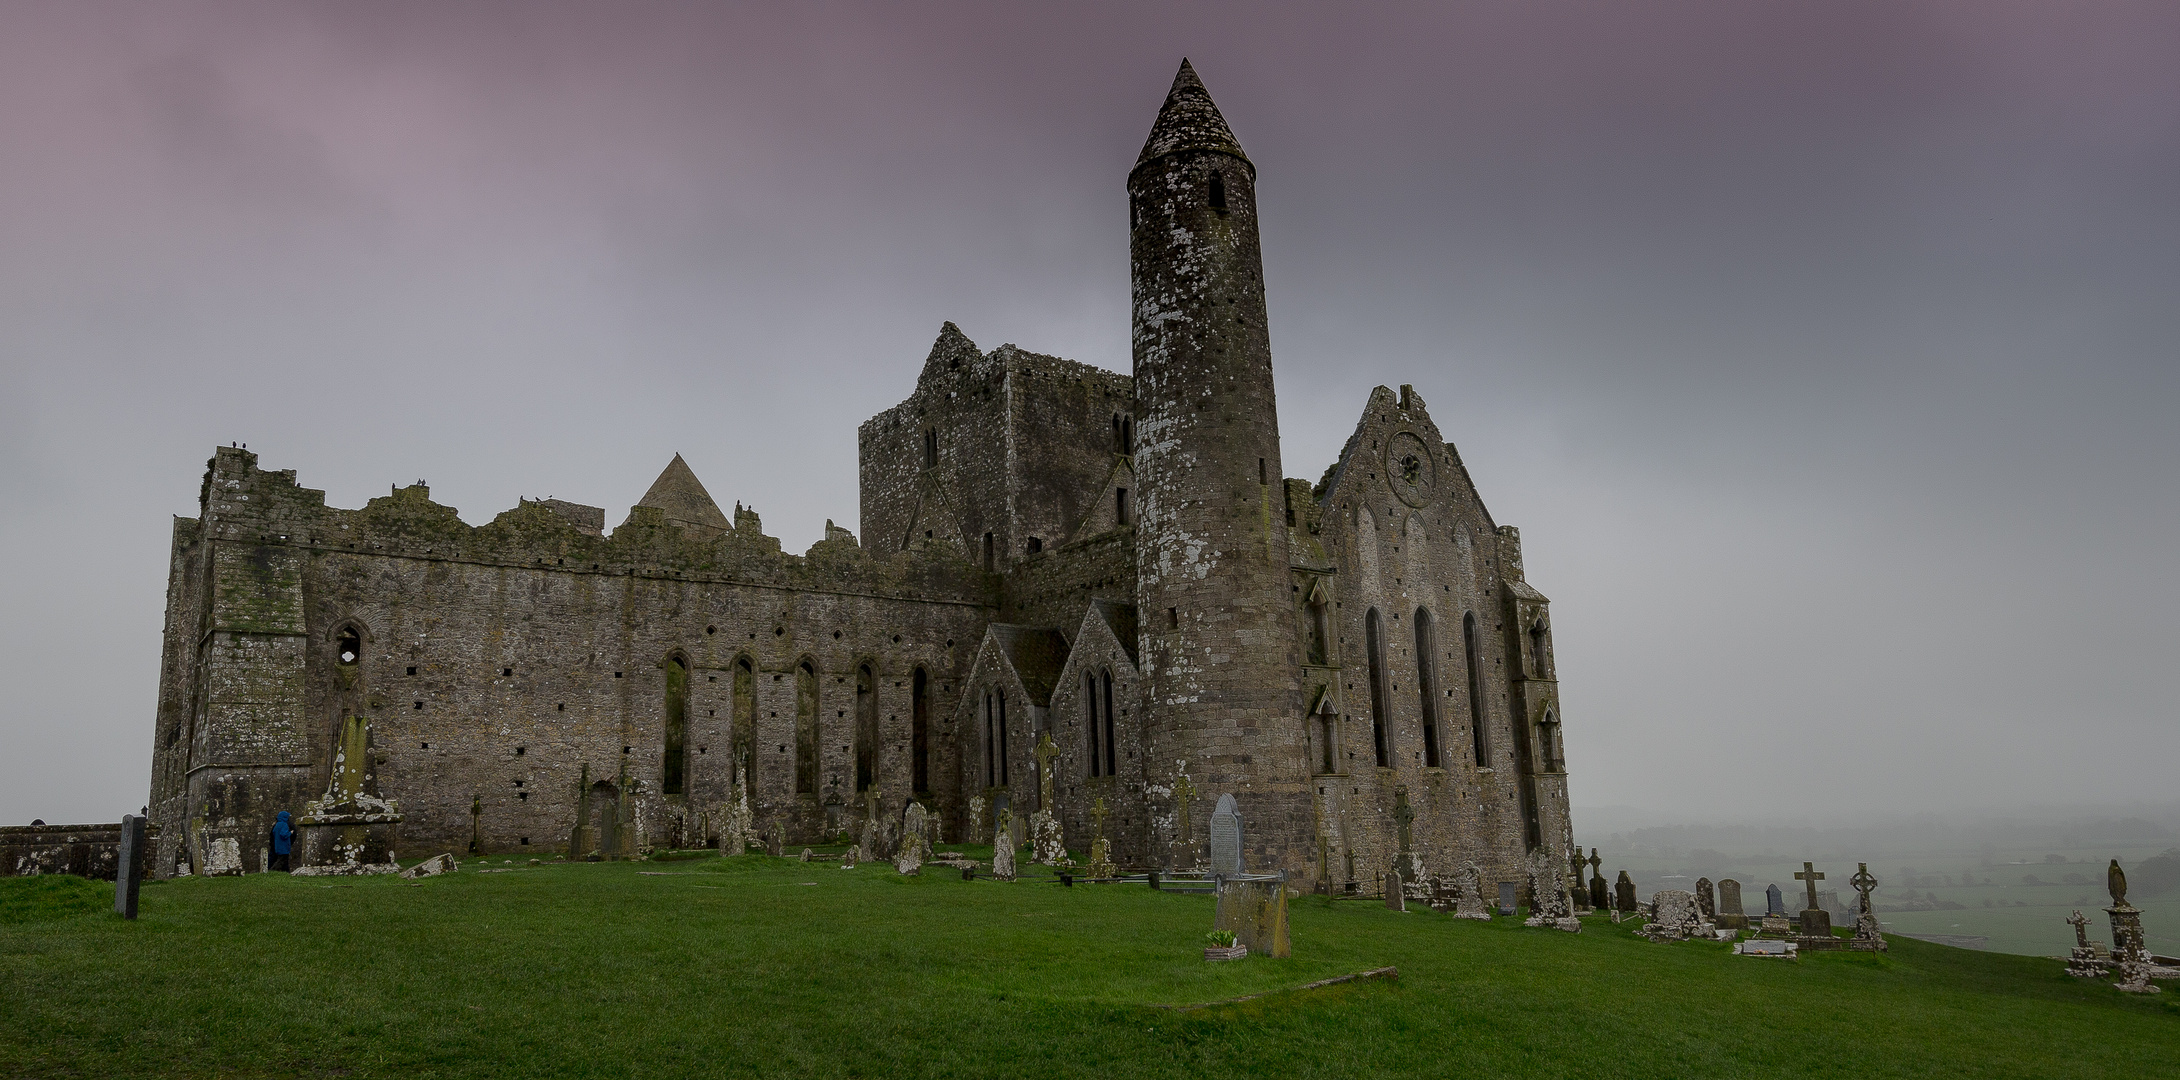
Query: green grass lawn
[768, 967]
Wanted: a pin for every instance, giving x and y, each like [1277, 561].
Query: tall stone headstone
[1774, 900]
[1674, 916]
[1816, 923]
[1600, 893]
[1507, 890]
[1623, 895]
[129, 865]
[1003, 846]
[1577, 891]
[1256, 911]
[1548, 892]
[1396, 893]
[1470, 904]
[1226, 837]
[1706, 902]
[1730, 915]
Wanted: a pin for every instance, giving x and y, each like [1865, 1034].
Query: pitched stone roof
[682, 498]
[1121, 618]
[1189, 121]
[1037, 653]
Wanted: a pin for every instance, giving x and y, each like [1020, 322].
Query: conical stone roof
[1190, 121]
[682, 498]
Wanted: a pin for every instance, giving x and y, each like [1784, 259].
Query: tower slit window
[1112, 745]
[745, 721]
[806, 728]
[1477, 728]
[1090, 716]
[1218, 192]
[930, 447]
[1426, 685]
[1000, 698]
[866, 728]
[919, 731]
[672, 780]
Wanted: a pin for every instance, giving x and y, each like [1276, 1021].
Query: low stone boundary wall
[92, 851]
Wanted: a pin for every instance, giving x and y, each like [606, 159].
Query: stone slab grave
[1772, 947]
[1548, 896]
[1729, 915]
[1506, 898]
[1471, 904]
[442, 863]
[1254, 907]
[1226, 837]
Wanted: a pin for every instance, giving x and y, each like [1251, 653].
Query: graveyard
[754, 965]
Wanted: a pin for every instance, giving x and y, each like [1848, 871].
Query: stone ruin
[1675, 916]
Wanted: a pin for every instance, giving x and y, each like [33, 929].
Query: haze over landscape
[1824, 353]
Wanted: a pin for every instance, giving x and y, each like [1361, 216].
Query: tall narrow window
[745, 722]
[1325, 731]
[1264, 474]
[1555, 759]
[991, 731]
[991, 553]
[1120, 445]
[919, 730]
[671, 781]
[930, 447]
[806, 728]
[1475, 690]
[866, 728]
[1218, 192]
[1120, 506]
[1426, 681]
[1090, 717]
[1112, 745]
[1001, 698]
[1127, 434]
[1380, 722]
[348, 648]
[1537, 648]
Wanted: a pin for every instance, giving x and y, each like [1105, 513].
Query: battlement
[244, 503]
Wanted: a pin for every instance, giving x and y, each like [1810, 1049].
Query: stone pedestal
[351, 830]
[2130, 959]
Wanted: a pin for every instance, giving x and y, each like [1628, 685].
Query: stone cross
[1046, 751]
[2081, 929]
[1097, 816]
[1864, 883]
[1403, 816]
[1183, 791]
[1808, 873]
[1595, 862]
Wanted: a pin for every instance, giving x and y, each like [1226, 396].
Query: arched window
[930, 447]
[1477, 727]
[672, 781]
[1548, 741]
[866, 728]
[1218, 192]
[1127, 434]
[745, 722]
[1326, 729]
[806, 728]
[1120, 506]
[919, 730]
[348, 647]
[1120, 444]
[1380, 721]
[1112, 750]
[1426, 679]
[1539, 651]
[1090, 718]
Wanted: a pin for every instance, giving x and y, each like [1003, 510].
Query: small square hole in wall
[518, 783]
[711, 678]
[520, 750]
[526, 840]
[423, 746]
[699, 749]
[561, 707]
[616, 674]
[412, 671]
[836, 635]
[711, 629]
[626, 749]
[419, 704]
[507, 672]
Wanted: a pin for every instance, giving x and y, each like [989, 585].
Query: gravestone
[776, 840]
[2130, 958]
[1470, 904]
[1226, 837]
[1816, 923]
[1101, 850]
[1867, 937]
[976, 818]
[1600, 893]
[1187, 851]
[1506, 897]
[129, 865]
[350, 829]
[442, 863]
[1705, 901]
[1729, 915]
[909, 860]
[1775, 924]
[1674, 916]
[1396, 897]
[1003, 846]
[854, 855]
[1765, 947]
[1548, 895]
[1579, 892]
[1256, 911]
[1623, 895]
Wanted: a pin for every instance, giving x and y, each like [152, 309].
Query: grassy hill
[753, 966]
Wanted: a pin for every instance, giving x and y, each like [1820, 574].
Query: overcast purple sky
[1827, 355]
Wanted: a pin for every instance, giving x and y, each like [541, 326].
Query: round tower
[1217, 626]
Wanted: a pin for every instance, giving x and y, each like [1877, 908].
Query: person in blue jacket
[283, 841]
